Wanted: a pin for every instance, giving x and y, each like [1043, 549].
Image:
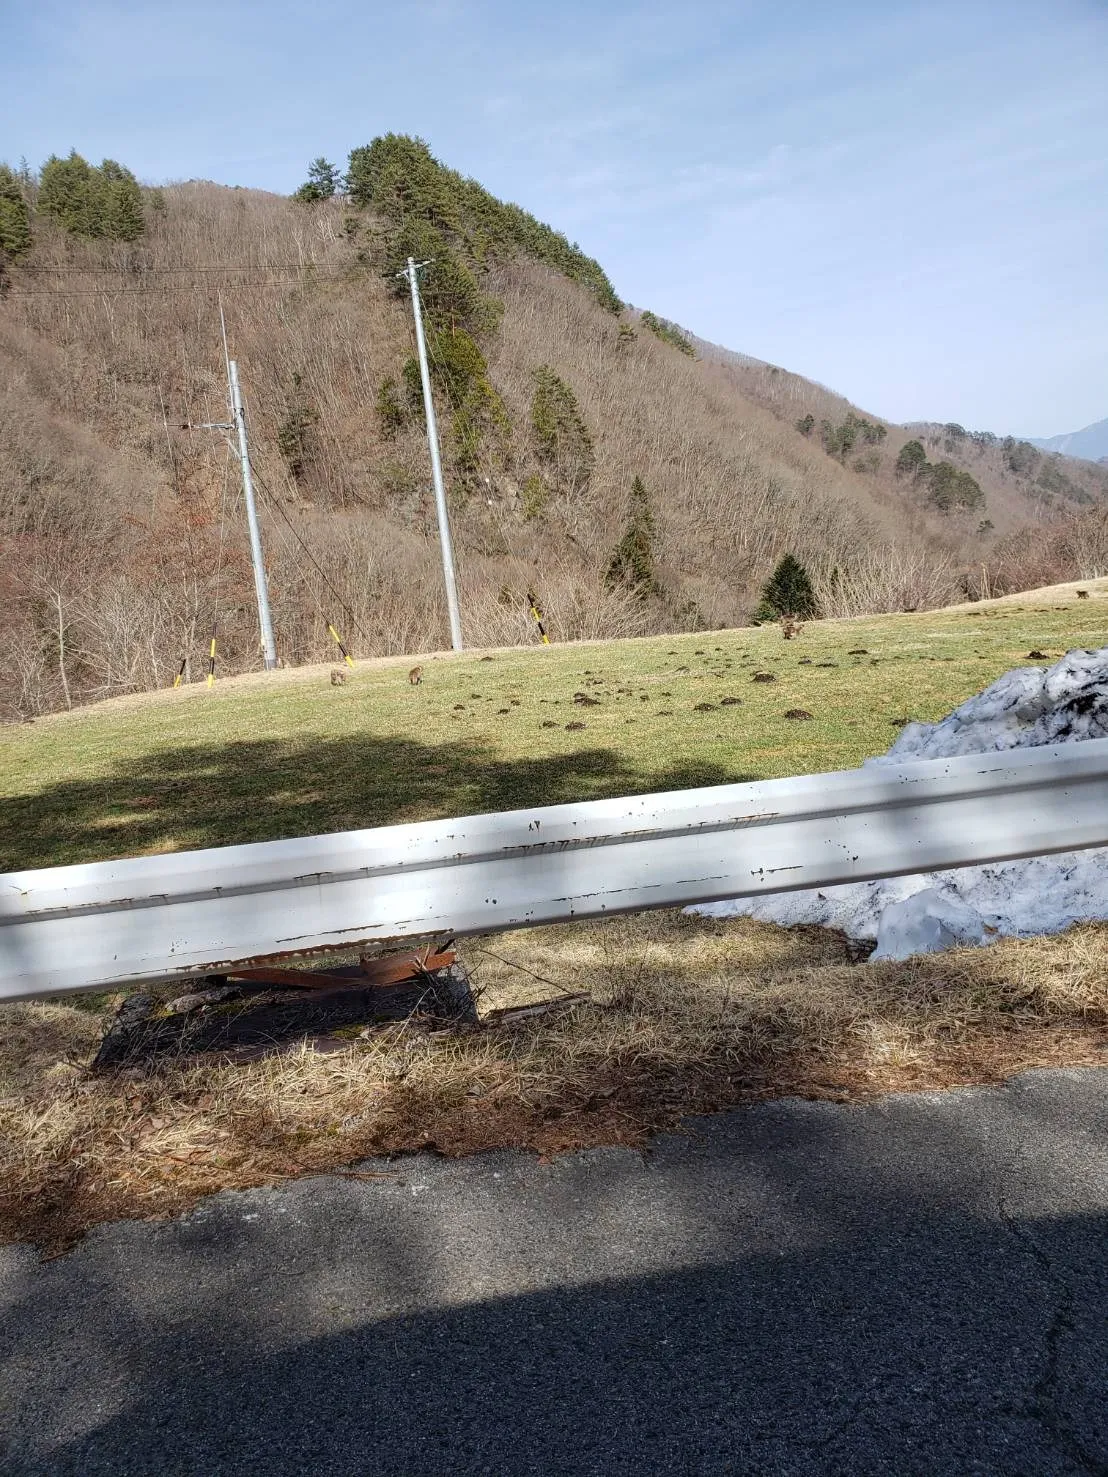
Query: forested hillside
[574, 428]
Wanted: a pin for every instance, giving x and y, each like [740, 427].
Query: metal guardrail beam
[152, 918]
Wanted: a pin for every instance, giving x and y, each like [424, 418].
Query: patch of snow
[1064, 703]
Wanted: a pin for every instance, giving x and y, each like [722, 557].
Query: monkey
[415, 676]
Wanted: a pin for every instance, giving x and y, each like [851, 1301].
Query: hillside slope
[1091, 442]
[121, 538]
[1020, 481]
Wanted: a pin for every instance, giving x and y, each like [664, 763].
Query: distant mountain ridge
[1090, 443]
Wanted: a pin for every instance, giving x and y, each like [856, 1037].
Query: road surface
[916, 1286]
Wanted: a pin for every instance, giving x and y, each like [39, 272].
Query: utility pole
[269, 647]
[238, 423]
[449, 576]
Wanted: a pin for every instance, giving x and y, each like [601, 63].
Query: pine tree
[15, 218]
[912, 459]
[68, 192]
[632, 564]
[788, 591]
[668, 332]
[322, 183]
[104, 202]
[121, 215]
[562, 440]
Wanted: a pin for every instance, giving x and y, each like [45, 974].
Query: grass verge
[685, 1015]
[287, 754]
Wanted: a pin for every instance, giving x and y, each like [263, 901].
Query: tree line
[92, 201]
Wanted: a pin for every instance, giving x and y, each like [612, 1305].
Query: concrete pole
[238, 414]
[436, 465]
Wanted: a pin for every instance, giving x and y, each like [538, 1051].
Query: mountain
[1091, 443]
[122, 539]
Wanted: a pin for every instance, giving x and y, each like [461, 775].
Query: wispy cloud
[909, 202]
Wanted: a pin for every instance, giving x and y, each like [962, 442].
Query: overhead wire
[219, 562]
[264, 277]
[274, 504]
[275, 274]
[321, 610]
[78, 271]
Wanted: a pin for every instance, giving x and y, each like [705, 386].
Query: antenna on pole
[409, 273]
[226, 354]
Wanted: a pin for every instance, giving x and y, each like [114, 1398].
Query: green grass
[259, 758]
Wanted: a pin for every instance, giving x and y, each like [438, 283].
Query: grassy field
[683, 1014]
[258, 758]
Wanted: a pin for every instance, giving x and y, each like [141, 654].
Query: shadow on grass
[221, 795]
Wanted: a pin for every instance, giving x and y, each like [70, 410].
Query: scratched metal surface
[153, 918]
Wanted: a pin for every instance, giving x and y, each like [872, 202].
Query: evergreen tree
[949, 487]
[27, 181]
[322, 183]
[562, 440]
[121, 217]
[90, 202]
[442, 214]
[788, 591]
[413, 388]
[392, 415]
[67, 192]
[15, 218]
[294, 434]
[632, 564]
[839, 441]
[668, 332]
[912, 459]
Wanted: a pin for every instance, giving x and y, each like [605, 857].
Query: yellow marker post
[338, 642]
[537, 613]
[211, 663]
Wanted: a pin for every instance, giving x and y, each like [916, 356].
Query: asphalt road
[919, 1286]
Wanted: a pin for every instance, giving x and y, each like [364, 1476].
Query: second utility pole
[436, 462]
[269, 647]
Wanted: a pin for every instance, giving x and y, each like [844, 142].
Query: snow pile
[969, 905]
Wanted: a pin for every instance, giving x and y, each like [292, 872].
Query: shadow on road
[913, 1287]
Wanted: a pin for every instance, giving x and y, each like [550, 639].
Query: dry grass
[686, 1014]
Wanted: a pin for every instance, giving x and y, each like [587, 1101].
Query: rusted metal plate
[391, 969]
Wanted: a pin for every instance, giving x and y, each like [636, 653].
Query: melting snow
[969, 905]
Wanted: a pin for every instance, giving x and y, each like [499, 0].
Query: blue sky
[907, 202]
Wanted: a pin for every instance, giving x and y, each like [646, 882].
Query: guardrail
[144, 919]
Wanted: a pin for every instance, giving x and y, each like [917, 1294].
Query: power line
[79, 271]
[321, 609]
[107, 290]
[274, 504]
[265, 274]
